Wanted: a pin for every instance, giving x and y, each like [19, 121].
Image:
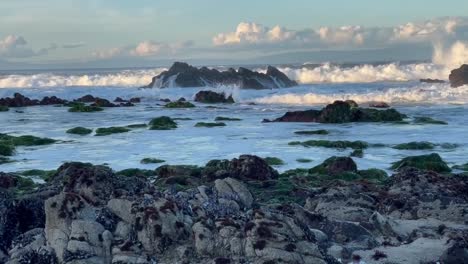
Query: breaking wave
[121, 78]
[432, 94]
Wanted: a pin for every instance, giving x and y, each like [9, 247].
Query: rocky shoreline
[236, 211]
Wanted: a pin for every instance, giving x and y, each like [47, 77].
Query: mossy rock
[26, 140]
[428, 120]
[24, 184]
[136, 172]
[137, 126]
[274, 161]
[313, 132]
[79, 131]
[82, 108]
[302, 160]
[105, 131]
[375, 115]
[223, 118]
[179, 104]
[43, 174]
[4, 108]
[431, 162]
[206, 124]
[373, 175]
[6, 149]
[415, 145]
[331, 144]
[5, 160]
[162, 123]
[358, 153]
[151, 161]
[463, 167]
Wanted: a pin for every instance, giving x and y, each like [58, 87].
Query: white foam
[328, 73]
[434, 94]
[122, 78]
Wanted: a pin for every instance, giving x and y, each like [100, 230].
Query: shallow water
[190, 145]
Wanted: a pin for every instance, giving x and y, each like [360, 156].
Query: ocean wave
[367, 73]
[122, 78]
[433, 94]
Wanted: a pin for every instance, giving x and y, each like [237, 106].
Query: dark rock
[184, 75]
[135, 100]
[459, 77]
[428, 80]
[424, 162]
[379, 105]
[20, 100]
[456, 254]
[342, 112]
[53, 100]
[246, 167]
[100, 102]
[7, 180]
[210, 97]
[120, 100]
[336, 165]
[86, 99]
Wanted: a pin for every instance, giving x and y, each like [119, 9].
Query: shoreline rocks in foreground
[184, 75]
[235, 211]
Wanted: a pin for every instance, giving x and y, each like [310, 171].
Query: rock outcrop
[184, 75]
[210, 97]
[341, 112]
[19, 100]
[459, 77]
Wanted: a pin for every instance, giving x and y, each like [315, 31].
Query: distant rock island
[184, 75]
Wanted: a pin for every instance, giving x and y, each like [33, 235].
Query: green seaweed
[105, 131]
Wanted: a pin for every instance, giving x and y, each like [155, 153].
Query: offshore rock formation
[210, 97]
[184, 75]
[226, 212]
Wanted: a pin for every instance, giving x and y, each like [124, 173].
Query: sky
[118, 33]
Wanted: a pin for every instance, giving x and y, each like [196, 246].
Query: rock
[425, 162]
[428, 80]
[416, 194]
[210, 97]
[379, 105]
[7, 180]
[230, 187]
[458, 253]
[162, 123]
[246, 167]
[459, 77]
[20, 100]
[335, 166]
[183, 75]
[342, 112]
[86, 99]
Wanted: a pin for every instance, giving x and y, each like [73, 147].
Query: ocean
[395, 83]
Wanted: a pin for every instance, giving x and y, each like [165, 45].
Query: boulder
[210, 97]
[184, 75]
[459, 77]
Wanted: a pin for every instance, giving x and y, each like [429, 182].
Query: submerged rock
[210, 97]
[431, 162]
[342, 112]
[459, 77]
[183, 75]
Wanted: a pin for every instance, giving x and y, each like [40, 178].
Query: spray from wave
[122, 78]
[426, 94]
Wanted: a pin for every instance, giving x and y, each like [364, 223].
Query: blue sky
[82, 31]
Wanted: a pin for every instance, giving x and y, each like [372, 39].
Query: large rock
[459, 77]
[342, 112]
[246, 167]
[184, 75]
[210, 97]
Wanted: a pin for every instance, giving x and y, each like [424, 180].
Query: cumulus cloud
[143, 49]
[435, 30]
[13, 46]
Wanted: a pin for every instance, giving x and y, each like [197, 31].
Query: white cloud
[143, 49]
[13, 46]
[254, 34]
